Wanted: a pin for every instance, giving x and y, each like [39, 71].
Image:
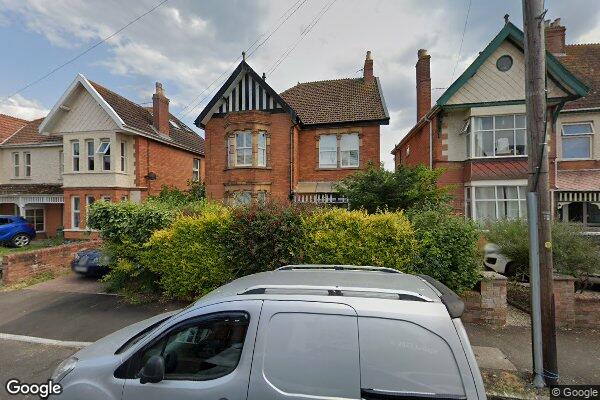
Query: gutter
[291, 171]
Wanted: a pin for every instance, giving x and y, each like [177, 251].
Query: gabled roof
[555, 69]
[584, 61]
[338, 101]
[231, 88]
[130, 117]
[29, 135]
[9, 125]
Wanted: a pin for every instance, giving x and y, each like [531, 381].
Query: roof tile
[583, 60]
[29, 134]
[9, 125]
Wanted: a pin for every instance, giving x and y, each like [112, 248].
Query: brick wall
[574, 310]
[172, 166]
[18, 267]
[488, 304]
[415, 150]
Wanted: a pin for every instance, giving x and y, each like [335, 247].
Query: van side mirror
[153, 371]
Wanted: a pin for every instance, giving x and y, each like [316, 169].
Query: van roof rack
[337, 291]
[337, 268]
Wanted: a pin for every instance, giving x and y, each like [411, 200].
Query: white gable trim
[80, 79]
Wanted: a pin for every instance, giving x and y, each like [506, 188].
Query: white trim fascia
[80, 79]
[27, 145]
[227, 93]
[503, 182]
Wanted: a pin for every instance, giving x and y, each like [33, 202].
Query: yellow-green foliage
[189, 256]
[337, 236]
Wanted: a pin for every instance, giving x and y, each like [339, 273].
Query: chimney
[423, 83]
[555, 37]
[368, 69]
[160, 110]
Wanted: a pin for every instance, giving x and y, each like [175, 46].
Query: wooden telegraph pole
[537, 145]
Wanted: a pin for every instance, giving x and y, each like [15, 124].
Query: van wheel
[20, 240]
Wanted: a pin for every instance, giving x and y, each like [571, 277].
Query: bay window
[16, 166]
[91, 154]
[247, 149]
[497, 136]
[104, 150]
[75, 154]
[261, 146]
[123, 156]
[349, 150]
[328, 151]
[576, 140]
[75, 212]
[490, 203]
[243, 149]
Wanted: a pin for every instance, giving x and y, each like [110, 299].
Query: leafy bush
[337, 236]
[189, 257]
[376, 189]
[262, 238]
[176, 198]
[447, 248]
[573, 253]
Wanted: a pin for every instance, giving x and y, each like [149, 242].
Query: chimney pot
[423, 75]
[160, 110]
[368, 68]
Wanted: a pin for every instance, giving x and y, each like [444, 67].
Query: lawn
[36, 244]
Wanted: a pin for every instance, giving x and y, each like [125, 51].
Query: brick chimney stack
[368, 69]
[160, 110]
[423, 83]
[555, 37]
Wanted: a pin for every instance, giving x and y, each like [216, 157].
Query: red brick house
[476, 129]
[292, 146]
[94, 145]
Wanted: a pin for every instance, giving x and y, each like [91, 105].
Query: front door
[207, 355]
[306, 350]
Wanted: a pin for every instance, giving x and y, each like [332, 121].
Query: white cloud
[20, 107]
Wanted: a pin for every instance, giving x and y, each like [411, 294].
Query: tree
[376, 189]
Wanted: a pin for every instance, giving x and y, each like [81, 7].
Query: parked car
[90, 262]
[493, 259]
[16, 231]
[300, 332]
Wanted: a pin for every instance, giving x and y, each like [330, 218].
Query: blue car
[90, 262]
[16, 231]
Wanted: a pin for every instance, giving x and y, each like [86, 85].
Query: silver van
[300, 332]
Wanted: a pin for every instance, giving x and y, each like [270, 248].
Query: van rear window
[402, 357]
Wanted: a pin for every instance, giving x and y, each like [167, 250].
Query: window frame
[16, 162]
[35, 216]
[196, 170]
[243, 148]
[132, 365]
[471, 200]
[261, 149]
[329, 151]
[27, 164]
[123, 156]
[61, 163]
[90, 154]
[75, 155]
[570, 136]
[105, 151]
[342, 150]
[472, 134]
[75, 212]
[89, 200]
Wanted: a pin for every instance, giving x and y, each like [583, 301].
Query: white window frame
[27, 163]
[75, 155]
[61, 163]
[104, 150]
[75, 212]
[471, 200]
[123, 156]
[16, 161]
[90, 154]
[106, 198]
[261, 147]
[328, 151]
[589, 136]
[349, 150]
[196, 170]
[243, 149]
[34, 223]
[471, 133]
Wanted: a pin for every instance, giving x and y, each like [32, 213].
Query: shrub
[176, 198]
[337, 236]
[448, 248]
[407, 187]
[189, 257]
[262, 238]
[573, 252]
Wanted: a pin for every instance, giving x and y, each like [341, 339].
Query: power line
[461, 42]
[83, 52]
[305, 32]
[187, 110]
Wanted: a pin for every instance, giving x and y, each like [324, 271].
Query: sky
[189, 44]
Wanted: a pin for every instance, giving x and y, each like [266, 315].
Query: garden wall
[573, 309]
[488, 304]
[18, 267]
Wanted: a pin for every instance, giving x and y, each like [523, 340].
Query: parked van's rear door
[305, 350]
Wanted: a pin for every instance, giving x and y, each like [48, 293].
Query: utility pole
[537, 145]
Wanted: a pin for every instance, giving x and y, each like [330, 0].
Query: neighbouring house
[476, 130]
[94, 145]
[294, 145]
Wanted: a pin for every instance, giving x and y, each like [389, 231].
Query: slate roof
[9, 125]
[29, 134]
[140, 118]
[30, 189]
[337, 101]
[578, 180]
[583, 60]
